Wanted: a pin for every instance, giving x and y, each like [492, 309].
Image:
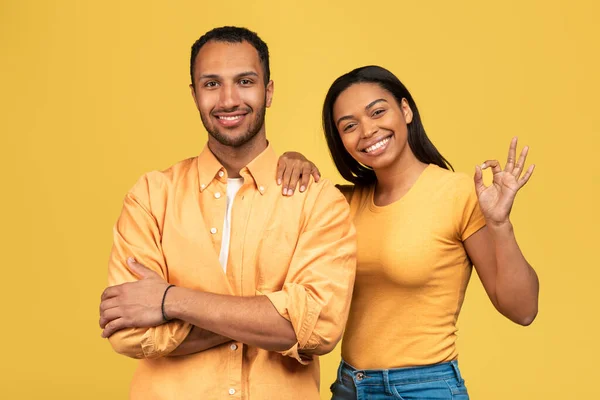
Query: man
[262, 282]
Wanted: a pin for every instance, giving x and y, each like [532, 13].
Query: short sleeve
[470, 219]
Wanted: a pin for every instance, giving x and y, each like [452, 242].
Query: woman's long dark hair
[419, 143]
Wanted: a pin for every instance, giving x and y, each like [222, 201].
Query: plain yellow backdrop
[93, 94]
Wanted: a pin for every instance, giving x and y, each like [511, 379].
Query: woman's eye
[348, 127]
[378, 112]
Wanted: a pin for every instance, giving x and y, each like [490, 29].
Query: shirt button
[221, 173]
[360, 376]
[213, 230]
[217, 195]
[261, 188]
[202, 186]
[232, 391]
[233, 347]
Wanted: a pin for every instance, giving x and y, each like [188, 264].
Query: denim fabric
[431, 382]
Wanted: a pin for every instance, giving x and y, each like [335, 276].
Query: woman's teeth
[377, 145]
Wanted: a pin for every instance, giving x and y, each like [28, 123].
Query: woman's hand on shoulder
[294, 168]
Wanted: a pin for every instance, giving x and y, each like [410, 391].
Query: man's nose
[230, 98]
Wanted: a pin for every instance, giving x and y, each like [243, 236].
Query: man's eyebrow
[246, 73]
[371, 104]
[237, 76]
[208, 76]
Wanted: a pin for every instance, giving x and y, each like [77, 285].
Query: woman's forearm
[517, 285]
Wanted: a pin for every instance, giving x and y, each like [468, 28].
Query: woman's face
[372, 125]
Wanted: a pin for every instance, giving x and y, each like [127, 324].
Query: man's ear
[269, 95]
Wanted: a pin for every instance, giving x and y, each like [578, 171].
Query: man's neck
[236, 158]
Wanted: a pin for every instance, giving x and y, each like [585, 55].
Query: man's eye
[210, 84]
[245, 81]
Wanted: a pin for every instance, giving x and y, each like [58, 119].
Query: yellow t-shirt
[412, 272]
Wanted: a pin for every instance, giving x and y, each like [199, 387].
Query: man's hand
[133, 304]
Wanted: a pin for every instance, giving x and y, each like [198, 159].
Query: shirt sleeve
[469, 215]
[137, 234]
[318, 288]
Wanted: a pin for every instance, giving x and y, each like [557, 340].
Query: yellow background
[93, 94]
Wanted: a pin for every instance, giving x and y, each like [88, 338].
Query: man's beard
[255, 127]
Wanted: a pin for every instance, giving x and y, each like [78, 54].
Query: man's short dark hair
[233, 34]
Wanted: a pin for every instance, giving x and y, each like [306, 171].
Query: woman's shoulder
[443, 177]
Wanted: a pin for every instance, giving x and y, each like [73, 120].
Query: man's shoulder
[182, 168]
[325, 192]
[156, 181]
[324, 185]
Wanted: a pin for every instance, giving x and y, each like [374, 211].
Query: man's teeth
[377, 145]
[230, 118]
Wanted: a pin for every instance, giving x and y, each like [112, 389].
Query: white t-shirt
[233, 185]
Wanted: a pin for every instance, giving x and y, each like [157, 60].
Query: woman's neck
[396, 180]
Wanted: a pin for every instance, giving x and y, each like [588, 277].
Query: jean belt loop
[386, 382]
[339, 371]
[459, 378]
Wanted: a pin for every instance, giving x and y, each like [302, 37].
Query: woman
[420, 229]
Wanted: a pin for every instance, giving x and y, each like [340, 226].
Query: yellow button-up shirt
[299, 251]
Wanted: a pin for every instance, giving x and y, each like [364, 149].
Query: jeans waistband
[398, 376]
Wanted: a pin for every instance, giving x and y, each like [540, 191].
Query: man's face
[230, 93]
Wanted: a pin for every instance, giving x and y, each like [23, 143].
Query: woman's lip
[380, 149]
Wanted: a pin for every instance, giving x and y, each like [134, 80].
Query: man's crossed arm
[216, 319]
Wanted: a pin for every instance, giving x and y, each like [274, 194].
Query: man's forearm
[198, 340]
[250, 320]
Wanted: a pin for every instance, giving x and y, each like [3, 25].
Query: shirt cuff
[294, 304]
[161, 340]
[294, 353]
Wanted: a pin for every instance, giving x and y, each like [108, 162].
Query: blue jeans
[432, 382]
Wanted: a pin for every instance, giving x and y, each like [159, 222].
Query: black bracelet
[162, 306]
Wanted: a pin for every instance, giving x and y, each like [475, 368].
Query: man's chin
[232, 139]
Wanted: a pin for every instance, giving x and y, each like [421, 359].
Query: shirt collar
[261, 170]
[208, 168]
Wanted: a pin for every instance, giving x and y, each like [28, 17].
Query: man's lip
[233, 114]
[372, 142]
[231, 123]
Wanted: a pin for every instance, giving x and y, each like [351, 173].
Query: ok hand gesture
[497, 200]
